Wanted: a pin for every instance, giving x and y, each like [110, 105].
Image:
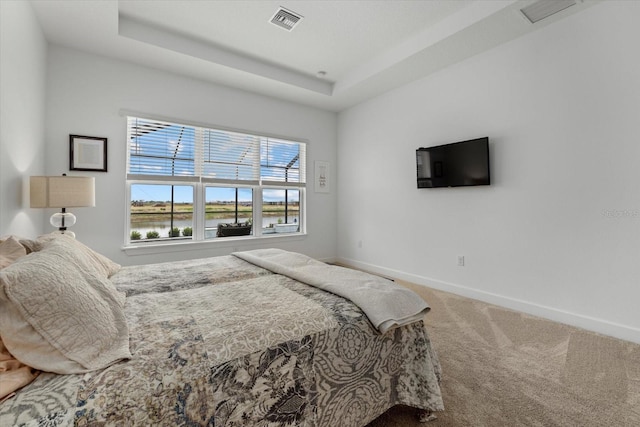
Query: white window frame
[200, 183]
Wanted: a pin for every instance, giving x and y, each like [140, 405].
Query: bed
[257, 338]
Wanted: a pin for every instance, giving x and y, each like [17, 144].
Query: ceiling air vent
[545, 8]
[286, 19]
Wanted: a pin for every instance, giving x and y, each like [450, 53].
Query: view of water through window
[153, 215]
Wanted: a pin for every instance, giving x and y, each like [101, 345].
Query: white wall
[85, 96]
[22, 96]
[558, 232]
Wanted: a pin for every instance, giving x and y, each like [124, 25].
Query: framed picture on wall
[87, 153]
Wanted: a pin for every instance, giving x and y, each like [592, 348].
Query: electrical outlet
[461, 260]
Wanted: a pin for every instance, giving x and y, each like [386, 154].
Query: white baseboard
[593, 324]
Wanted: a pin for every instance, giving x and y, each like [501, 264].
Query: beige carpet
[503, 368]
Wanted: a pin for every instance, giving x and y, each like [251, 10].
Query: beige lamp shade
[62, 191]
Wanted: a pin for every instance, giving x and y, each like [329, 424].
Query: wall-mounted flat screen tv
[458, 164]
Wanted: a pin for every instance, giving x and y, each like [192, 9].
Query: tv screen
[463, 163]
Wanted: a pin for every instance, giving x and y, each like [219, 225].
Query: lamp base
[62, 220]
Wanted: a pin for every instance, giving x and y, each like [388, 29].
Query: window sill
[225, 242]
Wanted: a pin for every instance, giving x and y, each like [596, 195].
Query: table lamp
[62, 192]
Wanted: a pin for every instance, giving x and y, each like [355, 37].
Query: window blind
[165, 151]
[160, 149]
[230, 156]
[282, 162]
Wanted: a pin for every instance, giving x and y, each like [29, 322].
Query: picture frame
[87, 153]
[322, 177]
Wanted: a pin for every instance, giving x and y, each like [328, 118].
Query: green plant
[153, 234]
[135, 235]
[280, 220]
[187, 231]
[174, 232]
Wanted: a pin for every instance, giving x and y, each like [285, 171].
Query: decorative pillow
[10, 251]
[58, 314]
[28, 244]
[103, 265]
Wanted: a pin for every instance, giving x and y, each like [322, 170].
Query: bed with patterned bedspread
[221, 341]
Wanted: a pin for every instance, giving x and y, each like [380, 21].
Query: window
[188, 182]
[161, 210]
[280, 210]
[228, 205]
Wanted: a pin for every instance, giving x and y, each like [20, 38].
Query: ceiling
[365, 48]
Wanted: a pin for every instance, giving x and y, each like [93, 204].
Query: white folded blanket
[386, 304]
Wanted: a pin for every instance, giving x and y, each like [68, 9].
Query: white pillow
[10, 251]
[103, 265]
[59, 313]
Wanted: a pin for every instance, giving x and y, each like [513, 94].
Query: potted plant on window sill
[270, 229]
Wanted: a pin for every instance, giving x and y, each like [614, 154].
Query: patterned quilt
[222, 342]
